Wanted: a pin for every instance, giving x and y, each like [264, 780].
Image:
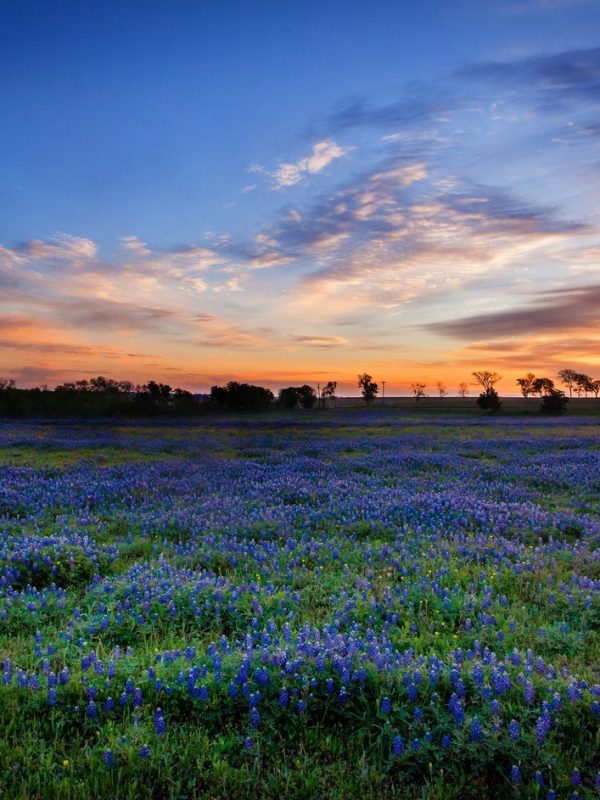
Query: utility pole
[383, 393]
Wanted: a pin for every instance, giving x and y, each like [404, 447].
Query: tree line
[104, 397]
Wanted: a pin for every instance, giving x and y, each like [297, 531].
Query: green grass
[333, 751]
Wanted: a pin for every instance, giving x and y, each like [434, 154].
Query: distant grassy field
[511, 406]
[399, 602]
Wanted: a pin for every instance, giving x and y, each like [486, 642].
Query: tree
[542, 385]
[368, 387]
[568, 377]
[218, 396]
[247, 397]
[329, 391]
[463, 389]
[583, 384]
[288, 397]
[418, 389]
[441, 387]
[486, 379]
[293, 396]
[596, 387]
[489, 400]
[307, 396]
[527, 384]
[6, 383]
[554, 402]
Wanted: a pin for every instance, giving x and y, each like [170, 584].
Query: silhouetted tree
[293, 396]
[527, 384]
[218, 397]
[596, 387]
[329, 391]
[542, 385]
[6, 383]
[368, 387]
[418, 389]
[568, 378]
[486, 379]
[554, 402]
[247, 397]
[489, 400]
[463, 389]
[441, 387]
[288, 397]
[307, 395]
[583, 383]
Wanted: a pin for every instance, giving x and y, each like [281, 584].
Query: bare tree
[463, 389]
[418, 389]
[441, 387]
[6, 383]
[486, 379]
[329, 392]
[596, 387]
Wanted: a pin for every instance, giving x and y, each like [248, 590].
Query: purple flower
[514, 731]
[386, 705]
[538, 778]
[108, 758]
[159, 722]
[515, 775]
[476, 732]
[398, 746]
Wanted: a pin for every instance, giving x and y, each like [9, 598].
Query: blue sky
[299, 191]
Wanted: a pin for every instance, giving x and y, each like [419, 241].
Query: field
[340, 604]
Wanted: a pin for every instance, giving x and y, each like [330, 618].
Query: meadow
[333, 604]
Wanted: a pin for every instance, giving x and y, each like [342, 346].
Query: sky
[296, 192]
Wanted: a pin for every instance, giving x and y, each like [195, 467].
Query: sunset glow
[299, 192]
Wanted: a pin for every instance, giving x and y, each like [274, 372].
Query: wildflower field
[334, 604]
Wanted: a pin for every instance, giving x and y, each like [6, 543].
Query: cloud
[108, 314]
[559, 311]
[534, 5]
[401, 246]
[68, 349]
[291, 173]
[403, 113]
[61, 248]
[324, 342]
[557, 80]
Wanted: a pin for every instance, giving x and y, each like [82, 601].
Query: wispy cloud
[289, 173]
[406, 112]
[558, 310]
[556, 80]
